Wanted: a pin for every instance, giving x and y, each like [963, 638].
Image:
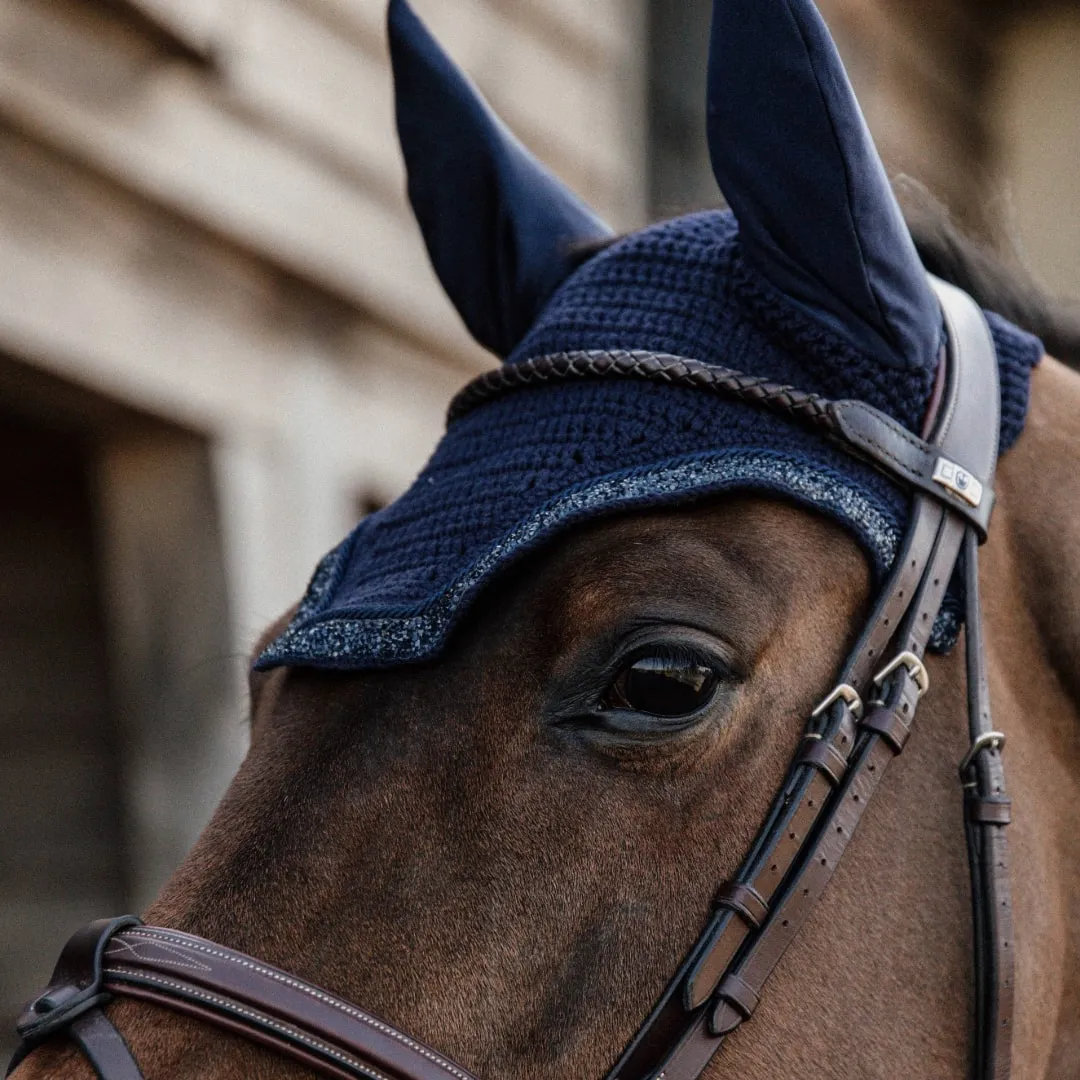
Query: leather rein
[850, 740]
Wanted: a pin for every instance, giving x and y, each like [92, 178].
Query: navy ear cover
[499, 227]
[795, 160]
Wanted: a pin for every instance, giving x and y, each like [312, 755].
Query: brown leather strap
[807, 813]
[262, 1032]
[987, 813]
[990, 810]
[122, 958]
[745, 901]
[791, 908]
[899, 452]
[100, 1042]
[298, 1018]
[71, 1004]
[824, 757]
[104, 1047]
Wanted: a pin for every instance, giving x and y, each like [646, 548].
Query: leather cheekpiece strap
[824, 757]
[987, 814]
[991, 810]
[72, 1004]
[104, 1047]
[738, 994]
[832, 781]
[892, 719]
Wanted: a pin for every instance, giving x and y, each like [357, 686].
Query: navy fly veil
[810, 279]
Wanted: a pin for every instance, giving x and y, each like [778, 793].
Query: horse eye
[661, 686]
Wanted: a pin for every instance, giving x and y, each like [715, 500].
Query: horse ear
[795, 160]
[499, 227]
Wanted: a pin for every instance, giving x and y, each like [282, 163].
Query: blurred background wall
[221, 343]
[979, 100]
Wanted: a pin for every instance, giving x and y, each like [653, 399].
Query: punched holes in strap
[745, 901]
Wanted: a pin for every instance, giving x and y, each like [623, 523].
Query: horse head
[530, 717]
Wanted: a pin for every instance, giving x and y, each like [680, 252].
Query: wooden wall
[212, 283]
[202, 209]
[975, 99]
[978, 100]
[1036, 124]
[61, 838]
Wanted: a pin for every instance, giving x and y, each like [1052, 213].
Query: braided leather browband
[648, 366]
[859, 428]
[850, 740]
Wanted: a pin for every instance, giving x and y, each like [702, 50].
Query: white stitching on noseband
[259, 1018]
[155, 935]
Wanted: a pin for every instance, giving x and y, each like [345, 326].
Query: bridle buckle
[915, 668]
[842, 692]
[990, 740]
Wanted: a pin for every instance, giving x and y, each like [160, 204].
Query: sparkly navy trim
[950, 619]
[381, 637]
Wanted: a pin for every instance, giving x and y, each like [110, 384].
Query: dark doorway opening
[61, 816]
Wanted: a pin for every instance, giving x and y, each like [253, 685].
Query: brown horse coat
[433, 844]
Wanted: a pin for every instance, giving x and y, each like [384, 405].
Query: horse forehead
[748, 541]
[737, 566]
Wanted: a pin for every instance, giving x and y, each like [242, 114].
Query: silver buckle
[843, 692]
[915, 667]
[991, 740]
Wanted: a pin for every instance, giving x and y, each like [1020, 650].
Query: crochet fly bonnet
[811, 279]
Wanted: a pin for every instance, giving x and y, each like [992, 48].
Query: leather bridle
[850, 740]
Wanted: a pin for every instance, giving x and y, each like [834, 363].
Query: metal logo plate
[958, 480]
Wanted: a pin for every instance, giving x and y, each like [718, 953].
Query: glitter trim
[379, 638]
[949, 621]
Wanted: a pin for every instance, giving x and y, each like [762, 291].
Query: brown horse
[506, 846]
[436, 844]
